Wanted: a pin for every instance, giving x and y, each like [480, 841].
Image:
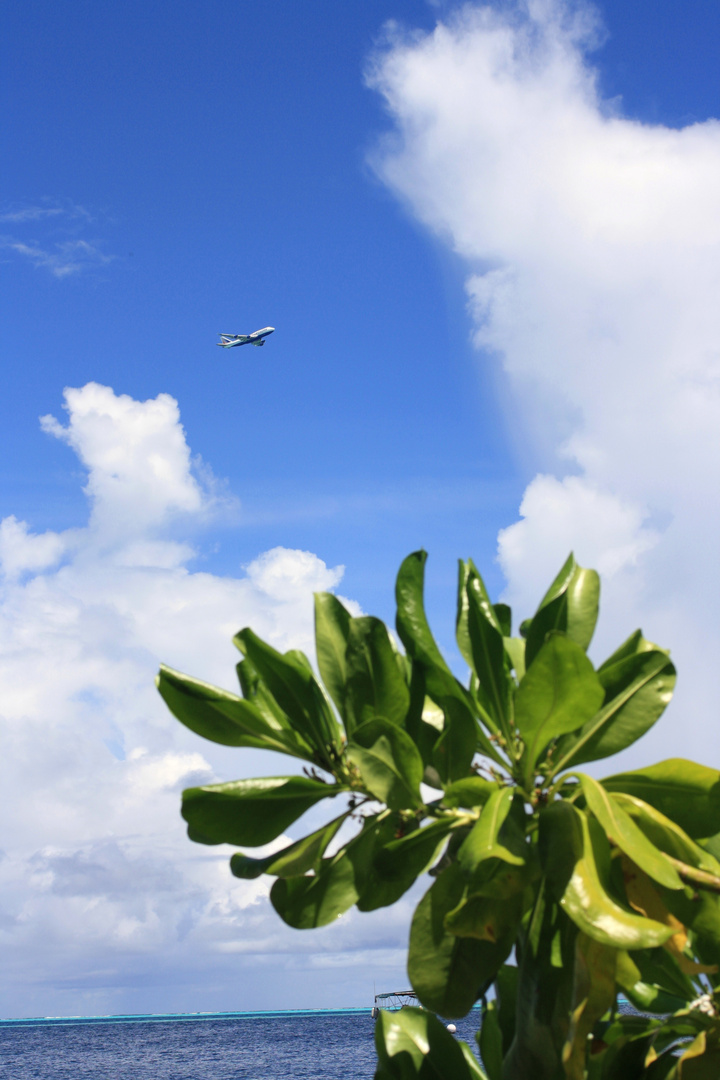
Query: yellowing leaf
[645, 899]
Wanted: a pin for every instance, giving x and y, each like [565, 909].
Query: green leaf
[251, 812]
[462, 634]
[490, 1042]
[622, 830]
[316, 900]
[486, 918]
[290, 680]
[576, 857]
[256, 693]
[412, 624]
[506, 989]
[332, 629]
[559, 693]
[397, 864]
[375, 686]
[468, 792]
[503, 614]
[700, 913]
[292, 860]
[687, 793]
[700, 1060]
[515, 650]
[389, 763]
[483, 840]
[414, 632]
[652, 980]
[666, 835]
[226, 718]
[432, 676]
[593, 995]
[570, 605]
[454, 751]
[502, 880]
[638, 688]
[447, 972]
[308, 902]
[488, 649]
[413, 1045]
[544, 986]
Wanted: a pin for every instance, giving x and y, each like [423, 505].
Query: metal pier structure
[397, 999]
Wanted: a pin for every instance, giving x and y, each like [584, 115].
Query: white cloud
[592, 244]
[61, 249]
[62, 259]
[104, 903]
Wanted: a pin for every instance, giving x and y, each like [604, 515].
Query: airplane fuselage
[229, 341]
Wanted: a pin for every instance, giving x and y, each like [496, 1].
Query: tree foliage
[550, 892]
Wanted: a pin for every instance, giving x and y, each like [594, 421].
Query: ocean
[259, 1046]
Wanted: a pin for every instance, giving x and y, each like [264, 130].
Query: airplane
[258, 338]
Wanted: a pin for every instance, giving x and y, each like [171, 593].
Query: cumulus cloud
[104, 903]
[592, 247]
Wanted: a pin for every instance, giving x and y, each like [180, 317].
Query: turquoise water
[327, 1045]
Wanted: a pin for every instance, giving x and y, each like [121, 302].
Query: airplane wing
[256, 343]
[229, 340]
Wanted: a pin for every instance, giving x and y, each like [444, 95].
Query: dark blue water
[320, 1046]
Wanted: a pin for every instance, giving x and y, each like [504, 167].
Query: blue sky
[176, 170]
[221, 151]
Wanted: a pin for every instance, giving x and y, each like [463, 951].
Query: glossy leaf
[290, 680]
[332, 629]
[297, 858]
[256, 693]
[644, 995]
[251, 812]
[653, 981]
[226, 718]
[468, 792]
[684, 791]
[447, 972]
[638, 688]
[305, 902]
[558, 694]
[576, 858]
[397, 864]
[569, 605]
[414, 631]
[389, 763]
[488, 649]
[375, 686]
[666, 835]
[622, 830]
[412, 625]
[414, 1045]
[483, 840]
[462, 634]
